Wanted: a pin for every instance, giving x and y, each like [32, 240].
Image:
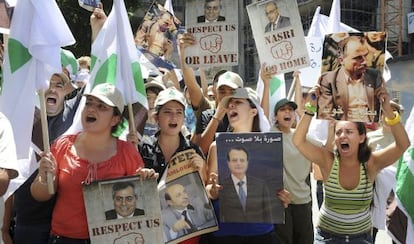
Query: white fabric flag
[32, 56]
[335, 17]
[277, 91]
[37, 33]
[405, 183]
[169, 7]
[114, 59]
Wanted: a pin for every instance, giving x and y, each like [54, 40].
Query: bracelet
[310, 108]
[310, 114]
[393, 121]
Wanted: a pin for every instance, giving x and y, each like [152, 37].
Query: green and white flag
[37, 33]
[69, 62]
[277, 91]
[114, 59]
[405, 181]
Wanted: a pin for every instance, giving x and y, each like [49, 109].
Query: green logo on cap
[172, 92]
[228, 76]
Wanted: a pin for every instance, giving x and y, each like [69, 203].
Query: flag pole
[45, 135]
[131, 121]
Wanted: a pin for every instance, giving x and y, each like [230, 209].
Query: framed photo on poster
[278, 33]
[123, 210]
[184, 201]
[250, 167]
[214, 25]
[352, 66]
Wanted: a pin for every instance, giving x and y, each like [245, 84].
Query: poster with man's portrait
[352, 66]
[278, 33]
[123, 210]
[185, 207]
[250, 169]
[156, 35]
[214, 24]
[6, 12]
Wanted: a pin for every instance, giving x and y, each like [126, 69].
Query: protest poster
[278, 33]
[352, 65]
[89, 5]
[6, 13]
[214, 25]
[156, 34]
[250, 167]
[184, 201]
[123, 210]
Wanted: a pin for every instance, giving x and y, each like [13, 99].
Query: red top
[69, 215]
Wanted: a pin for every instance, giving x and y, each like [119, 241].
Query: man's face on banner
[178, 197]
[124, 201]
[271, 12]
[238, 162]
[212, 10]
[354, 59]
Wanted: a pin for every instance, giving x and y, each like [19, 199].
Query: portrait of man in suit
[180, 217]
[276, 21]
[243, 199]
[349, 91]
[125, 199]
[211, 12]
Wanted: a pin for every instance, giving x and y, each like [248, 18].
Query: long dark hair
[364, 151]
[256, 119]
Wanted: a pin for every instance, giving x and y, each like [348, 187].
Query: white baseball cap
[230, 79]
[169, 94]
[108, 94]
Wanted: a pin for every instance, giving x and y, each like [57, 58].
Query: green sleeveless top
[346, 211]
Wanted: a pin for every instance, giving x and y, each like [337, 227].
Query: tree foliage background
[78, 21]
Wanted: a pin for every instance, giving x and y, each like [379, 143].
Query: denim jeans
[322, 237]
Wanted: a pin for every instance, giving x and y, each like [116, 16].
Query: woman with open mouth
[349, 172]
[245, 115]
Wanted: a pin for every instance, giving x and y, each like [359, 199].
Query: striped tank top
[346, 211]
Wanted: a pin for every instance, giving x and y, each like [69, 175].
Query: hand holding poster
[250, 169]
[123, 210]
[352, 76]
[186, 209]
[278, 33]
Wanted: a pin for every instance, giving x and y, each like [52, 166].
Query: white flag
[169, 7]
[277, 89]
[114, 59]
[37, 33]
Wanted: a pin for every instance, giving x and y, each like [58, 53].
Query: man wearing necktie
[243, 199]
[276, 20]
[180, 217]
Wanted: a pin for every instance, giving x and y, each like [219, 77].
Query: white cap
[169, 94]
[230, 79]
[108, 94]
